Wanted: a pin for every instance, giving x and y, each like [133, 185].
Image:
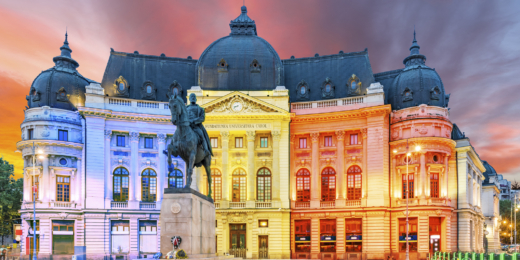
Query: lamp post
[34, 190]
[407, 183]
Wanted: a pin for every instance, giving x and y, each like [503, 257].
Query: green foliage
[11, 194]
[506, 227]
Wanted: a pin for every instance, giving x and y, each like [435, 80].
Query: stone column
[225, 179]
[364, 179]
[340, 167]
[27, 183]
[134, 150]
[108, 170]
[45, 183]
[293, 169]
[77, 173]
[315, 237]
[422, 178]
[446, 173]
[251, 180]
[276, 174]
[161, 176]
[315, 175]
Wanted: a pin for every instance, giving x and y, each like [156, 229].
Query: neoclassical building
[314, 158]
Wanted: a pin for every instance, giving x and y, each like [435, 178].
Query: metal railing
[119, 204]
[238, 252]
[263, 253]
[237, 205]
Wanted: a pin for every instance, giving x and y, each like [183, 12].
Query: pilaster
[276, 165]
[225, 175]
[340, 168]
[161, 143]
[45, 184]
[251, 180]
[422, 179]
[108, 173]
[134, 150]
[364, 192]
[315, 175]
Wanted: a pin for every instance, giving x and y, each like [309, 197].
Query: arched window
[175, 179]
[239, 185]
[354, 183]
[216, 184]
[263, 185]
[148, 89]
[303, 90]
[121, 182]
[434, 185]
[303, 185]
[149, 185]
[353, 85]
[121, 86]
[328, 184]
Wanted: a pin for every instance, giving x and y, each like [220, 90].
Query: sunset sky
[473, 45]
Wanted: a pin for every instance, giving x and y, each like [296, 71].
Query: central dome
[240, 61]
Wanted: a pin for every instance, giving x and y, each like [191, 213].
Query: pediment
[239, 103]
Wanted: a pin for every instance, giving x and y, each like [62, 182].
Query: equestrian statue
[190, 140]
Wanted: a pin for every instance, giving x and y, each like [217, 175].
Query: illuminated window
[302, 233]
[263, 185]
[410, 186]
[328, 184]
[263, 223]
[121, 182]
[434, 185]
[216, 184]
[303, 185]
[328, 141]
[327, 235]
[120, 232]
[353, 139]
[263, 142]
[214, 142]
[62, 188]
[239, 142]
[63, 135]
[412, 234]
[175, 179]
[353, 235]
[239, 185]
[149, 185]
[303, 142]
[354, 183]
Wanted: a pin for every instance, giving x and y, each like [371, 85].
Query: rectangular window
[302, 233]
[29, 239]
[353, 139]
[434, 185]
[30, 134]
[239, 142]
[239, 189]
[328, 141]
[62, 188]
[263, 142]
[148, 142]
[120, 232]
[147, 236]
[63, 135]
[327, 235]
[214, 142]
[353, 236]
[353, 186]
[408, 184]
[412, 234]
[121, 140]
[303, 142]
[35, 189]
[62, 237]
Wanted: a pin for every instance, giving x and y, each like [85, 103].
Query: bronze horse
[185, 142]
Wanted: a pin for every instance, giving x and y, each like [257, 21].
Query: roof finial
[414, 33]
[66, 36]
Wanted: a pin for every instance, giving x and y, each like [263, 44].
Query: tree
[11, 192]
[515, 185]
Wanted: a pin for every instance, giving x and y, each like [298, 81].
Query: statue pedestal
[190, 215]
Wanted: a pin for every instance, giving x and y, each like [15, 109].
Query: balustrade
[263, 205]
[328, 204]
[302, 205]
[119, 204]
[147, 205]
[237, 205]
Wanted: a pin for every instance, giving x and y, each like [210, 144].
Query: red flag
[35, 188]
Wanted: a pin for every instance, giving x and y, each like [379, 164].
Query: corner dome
[61, 86]
[417, 83]
[240, 61]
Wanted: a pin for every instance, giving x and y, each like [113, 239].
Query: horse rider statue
[197, 115]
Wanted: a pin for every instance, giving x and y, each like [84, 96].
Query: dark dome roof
[490, 171]
[417, 83]
[60, 86]
[240, 61]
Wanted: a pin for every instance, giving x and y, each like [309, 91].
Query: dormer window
[255, 66]
[175, 91]
[354, 85]
[327, 88]
[175, 88]
[302, 90]
[121, 86]
[407, 94]
[149, 89]
[222, 65]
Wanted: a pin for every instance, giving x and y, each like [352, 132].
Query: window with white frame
[148, 236]
[120, 236]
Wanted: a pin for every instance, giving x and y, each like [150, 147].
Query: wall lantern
[263, 223]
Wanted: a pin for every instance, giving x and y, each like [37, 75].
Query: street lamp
[35, 150]
[408, 154]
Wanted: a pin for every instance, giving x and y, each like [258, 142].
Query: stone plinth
[190, 215]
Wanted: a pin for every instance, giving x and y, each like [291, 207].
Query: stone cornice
[109, 114]
[342, 115]
[473, 155]
[419, 140]
[264, 116]
[230, 96]
[28, 143]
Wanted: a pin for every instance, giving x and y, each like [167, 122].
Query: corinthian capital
[225, 135]
[340, 134]
[134, 136]
[276, 135]
[315, 137]
[161, 138]
[364, 132]
[108, 134]
[251, 136]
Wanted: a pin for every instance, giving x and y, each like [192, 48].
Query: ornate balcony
[302, 205]
[327, 204]
[119, 204]
[353, 203]
[263, 205]
[146, 205]
[237, 205]
[63, 204]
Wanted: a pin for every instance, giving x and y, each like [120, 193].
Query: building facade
[314, 158]
[491, 208]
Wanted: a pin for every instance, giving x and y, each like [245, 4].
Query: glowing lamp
[41, 157]
[417, 148]
[409, 154]
[263, 223]
[395, 151]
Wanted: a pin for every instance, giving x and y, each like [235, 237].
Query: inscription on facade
[237, 126]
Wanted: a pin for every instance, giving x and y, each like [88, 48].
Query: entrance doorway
[237, 240]
[263, 247]
[435, 235]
